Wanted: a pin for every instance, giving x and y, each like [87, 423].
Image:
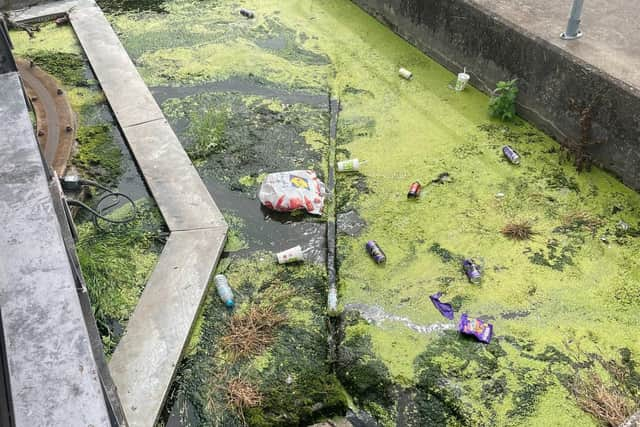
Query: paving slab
[611, 38]
[181, 195]
[52, 371]
[128, 95]
[144, 363]
[42, 11]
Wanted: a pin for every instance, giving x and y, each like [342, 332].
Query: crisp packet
[443, 307]
[476, 327]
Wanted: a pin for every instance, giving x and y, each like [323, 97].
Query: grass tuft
[518, 230]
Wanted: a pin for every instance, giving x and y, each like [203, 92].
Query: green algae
[116, 266]
[67, 67]
[292, 375]
[567, 284]
[235, 240]
[97, 156]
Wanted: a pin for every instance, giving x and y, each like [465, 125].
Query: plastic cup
[463, 80]
[405, 74]
[290, 255]
[348, 165]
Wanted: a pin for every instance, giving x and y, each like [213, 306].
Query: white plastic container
[224, 290]
[405, 74]
[350, 165]
[290, 255]
[463, 80]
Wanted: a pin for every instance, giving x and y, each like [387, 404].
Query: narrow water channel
[251, 96]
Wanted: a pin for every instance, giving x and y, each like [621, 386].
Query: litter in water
[290, 191]
[443, 178]
[511, 154]
[294, 254]
[405, 74]
[463, 80]
[472, 270]
[443, 307]
[350, 165]
[476, 327]
[376, 253]
[224, 290]
[247, 13]
[414, 190]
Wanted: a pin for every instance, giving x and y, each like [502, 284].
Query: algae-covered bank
[563, 304]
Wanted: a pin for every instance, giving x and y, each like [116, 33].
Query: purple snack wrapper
[476, 327]
[444, 308]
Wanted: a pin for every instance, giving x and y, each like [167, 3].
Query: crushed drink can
[475, 327]
[376, 253]
[472, 270]
[247, 13]
[511, 154]
[414, 190]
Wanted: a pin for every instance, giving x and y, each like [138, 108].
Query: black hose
[98, 212]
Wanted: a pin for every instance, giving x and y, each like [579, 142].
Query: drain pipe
[573, 26]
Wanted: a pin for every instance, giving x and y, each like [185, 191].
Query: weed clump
[69, 68]
[253, 331]
[581, 219]
[97, 156]
[518, 230]
[241, 395]
[503, 101]
[602, 401]
[208, 132]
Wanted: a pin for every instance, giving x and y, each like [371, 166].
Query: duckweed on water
[415, 130]
[97, 156]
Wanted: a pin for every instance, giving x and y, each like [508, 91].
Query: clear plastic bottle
[224, 290]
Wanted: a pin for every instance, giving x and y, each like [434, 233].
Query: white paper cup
[290, 255]
[405, 74]
[348, 165]
[461, 83]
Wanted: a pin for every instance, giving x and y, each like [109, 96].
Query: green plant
[503, 100]
[208, 134]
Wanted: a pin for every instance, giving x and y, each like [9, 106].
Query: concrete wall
[458, 33]
[18, 4]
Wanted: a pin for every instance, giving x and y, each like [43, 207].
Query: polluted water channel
[476, 286]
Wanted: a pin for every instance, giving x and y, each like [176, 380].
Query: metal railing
[573, 26]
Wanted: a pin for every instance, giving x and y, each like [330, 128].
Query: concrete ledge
[144, 363]
[53, 375]
[461, 33]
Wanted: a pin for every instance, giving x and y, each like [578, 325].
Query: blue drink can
[376, 253]
[472, 270]
[511, 154]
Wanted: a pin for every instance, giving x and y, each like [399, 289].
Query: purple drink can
[472, 270]
[376, 253]
[511, 154]
[475, 327]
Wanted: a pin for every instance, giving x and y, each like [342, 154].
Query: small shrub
[503, 101]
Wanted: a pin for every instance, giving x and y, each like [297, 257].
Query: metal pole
[573, 26]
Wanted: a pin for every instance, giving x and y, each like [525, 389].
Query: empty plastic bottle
[224, 290]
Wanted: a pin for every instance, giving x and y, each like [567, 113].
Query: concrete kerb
[144, 363]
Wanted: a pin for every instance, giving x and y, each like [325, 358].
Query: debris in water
[518, 230]
[290, 255]
[472, 270]
[414, 190]
[476, 327]
[247, 13]
[224, 290]
[443, 178]
[511, 154]
[376, 253]
[622, 226]
[463, 79]
[443, 307]
[499, 195]
[405, 74]
[350, 165]
[290, 191]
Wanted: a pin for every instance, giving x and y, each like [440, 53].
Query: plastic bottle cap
[229, 303]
